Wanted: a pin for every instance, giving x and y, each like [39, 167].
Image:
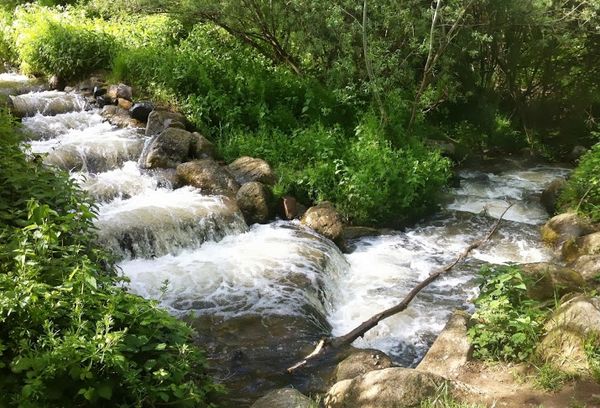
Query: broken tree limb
[327, 344]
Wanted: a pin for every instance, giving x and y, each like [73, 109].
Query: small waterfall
[48, 103]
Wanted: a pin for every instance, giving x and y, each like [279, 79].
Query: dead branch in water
[329, 344]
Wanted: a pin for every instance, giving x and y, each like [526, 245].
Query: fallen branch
[329, 344]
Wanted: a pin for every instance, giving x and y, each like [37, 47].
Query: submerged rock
[575, 323]
[324, 219]
[207, 175]
[247, 169]
[451, 350]
[255, 201]
[46, 103]
[361, 362]
[283, 398]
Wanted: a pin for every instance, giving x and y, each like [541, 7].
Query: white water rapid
[194, 253]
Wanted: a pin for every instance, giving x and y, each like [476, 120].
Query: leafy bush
[7, 51]
[582, 192]
[60, 42]
[507, 323]
[70, 335]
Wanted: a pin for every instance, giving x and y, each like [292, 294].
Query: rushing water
[261, 294]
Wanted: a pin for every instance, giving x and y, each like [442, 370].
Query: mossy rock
[549, 281]
[564, 227]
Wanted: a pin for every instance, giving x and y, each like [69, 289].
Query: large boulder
[283, 398]
[586, 245]
[551, 193]
[324, 219]
[451, 350]
[255, 201]
[159, 120]
[551, 280]
[392, 387]
[589, 268]
[563, 227]
[207, 175]
[247, 169]
[569, 330]
[167, 150]
[361, 362]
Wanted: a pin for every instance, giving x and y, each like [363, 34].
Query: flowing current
[264, 293]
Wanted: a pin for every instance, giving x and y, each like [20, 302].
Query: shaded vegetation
[582, 192]
[70, 334]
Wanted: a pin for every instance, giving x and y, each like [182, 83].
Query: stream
[262, 295]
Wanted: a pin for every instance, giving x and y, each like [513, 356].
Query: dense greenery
[507, 323]
[70, 335]
[582, 192]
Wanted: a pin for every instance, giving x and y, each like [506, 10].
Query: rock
[551, 280]
[207, 175]
[201, 147]
[283, 398]
[119, 117]
[451, 350]
[361, 362]
[247, 169]
[28, 105]
[288, 208]
[446, 148]
[120, 91]
[141, 110]
[551, 193]
[325, 220]
[57, 83]
[103, 101]
[354, 232]
[575, 322]
[589, 268]
[255, 201]
[167, 150]
[577, 152]
[124, 104]
[563, 227]
[585, 245]
[159, 120]
[392, 387]
[99, 91]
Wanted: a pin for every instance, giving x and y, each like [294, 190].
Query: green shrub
[69, 334]
[7, 50]
[507, 324]
[60, 42]
[582, 192]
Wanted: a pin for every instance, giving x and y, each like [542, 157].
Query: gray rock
[167, 150]
[577, 152]
[551, 193]
[550, 280]
[586, 245]
[247, 169]
[563, 227]
[255, 201]
[574, 323]
[589, 268]
[159, 120]
[324, 219]
[207, 175]
[361, 362]
[283, 398]
[451, 350]
[201, 147]
[120, 91]
[392, 387]
[119, 117]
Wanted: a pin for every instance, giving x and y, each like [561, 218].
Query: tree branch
[330, 344]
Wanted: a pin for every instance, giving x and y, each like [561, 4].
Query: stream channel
[260, 296]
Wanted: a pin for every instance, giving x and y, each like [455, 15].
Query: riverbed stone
[120, 91]
[283, 398]
[589, 268]
[585, 245]
[119, 117]
[577, 152]
[575, 323]
[124, 103]
[551, 193]
[141, 110]
[167, 150]
[159, 120]
[396, 387]
[324, 219]
[246, 169]
[451, 350]
[563, 227]
[255, 201]
[549, 280]
[201, 147]
[361, 362]
[208, 176]
[24, 105]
